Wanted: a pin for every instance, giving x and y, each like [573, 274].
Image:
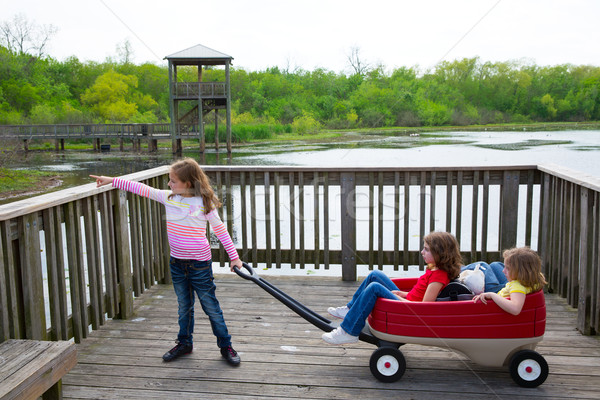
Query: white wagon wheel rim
[387, 365]
[529, 370]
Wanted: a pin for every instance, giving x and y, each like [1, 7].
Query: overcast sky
[321, 33]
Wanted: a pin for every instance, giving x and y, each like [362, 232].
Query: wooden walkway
[283, 357]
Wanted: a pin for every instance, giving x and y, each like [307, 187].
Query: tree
[22, 36]
[114, 98]
[359, 66]
[125, 52]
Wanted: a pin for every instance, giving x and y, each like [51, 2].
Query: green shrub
[305, 124]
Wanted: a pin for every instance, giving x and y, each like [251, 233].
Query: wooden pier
[127, 135]
[284, 357]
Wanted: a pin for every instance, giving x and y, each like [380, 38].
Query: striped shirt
[186, 222]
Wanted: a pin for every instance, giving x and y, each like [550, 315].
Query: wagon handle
[251, 275]
[299, 308]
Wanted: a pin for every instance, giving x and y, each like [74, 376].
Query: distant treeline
[464, 92]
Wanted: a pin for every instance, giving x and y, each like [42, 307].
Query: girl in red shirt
[440, 252]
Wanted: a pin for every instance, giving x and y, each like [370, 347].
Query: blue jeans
[495, 279]
[195, 277]
[375, 285]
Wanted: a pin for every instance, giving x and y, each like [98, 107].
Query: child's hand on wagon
[483, 297]
[235, 263]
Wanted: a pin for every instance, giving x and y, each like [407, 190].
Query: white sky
[320, 33]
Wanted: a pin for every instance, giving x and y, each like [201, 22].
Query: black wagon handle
[309, 315]
[250, 275]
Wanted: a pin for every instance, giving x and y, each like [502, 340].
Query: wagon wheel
[528, 368]
[387, 364]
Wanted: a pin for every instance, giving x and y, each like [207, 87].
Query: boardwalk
[283, 357]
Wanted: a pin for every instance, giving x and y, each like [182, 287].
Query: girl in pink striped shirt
[189, 204]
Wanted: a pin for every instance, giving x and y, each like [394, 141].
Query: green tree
[114, 98]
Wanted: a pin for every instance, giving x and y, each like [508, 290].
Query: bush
[247, 132]
[42, 114]
[10, 117]
[305, 124]
[408, 118]
[433, 114]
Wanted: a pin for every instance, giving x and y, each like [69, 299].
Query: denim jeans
[375, 285]
[495, 279]
[196, 277]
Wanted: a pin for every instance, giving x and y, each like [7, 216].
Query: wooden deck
[283, 356]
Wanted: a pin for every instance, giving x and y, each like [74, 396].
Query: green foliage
[305, 124]
[246, 132]
[274, 101]
[43, 114]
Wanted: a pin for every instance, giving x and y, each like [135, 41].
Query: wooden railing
[95, 131]
[112, 245]
[84, 131]
[195, 90]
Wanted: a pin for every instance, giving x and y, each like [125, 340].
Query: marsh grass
[247, 132]
[12, 180]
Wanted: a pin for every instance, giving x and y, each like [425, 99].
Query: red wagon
[485, 333]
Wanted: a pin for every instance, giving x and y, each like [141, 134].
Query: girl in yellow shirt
[523, 269]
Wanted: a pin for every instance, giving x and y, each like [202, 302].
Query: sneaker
[338, 312]
[339, 336]
[177, 351]
[230, 355]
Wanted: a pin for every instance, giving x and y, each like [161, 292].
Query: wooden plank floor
[283, 356]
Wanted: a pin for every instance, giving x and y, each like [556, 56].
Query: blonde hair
[525, 266]
[189, 171]
[446, 252]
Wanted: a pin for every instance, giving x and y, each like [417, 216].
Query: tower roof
[199, 54]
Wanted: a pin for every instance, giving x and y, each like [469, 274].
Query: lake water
[576, 150]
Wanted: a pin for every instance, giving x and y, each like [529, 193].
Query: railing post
[544, 235]
[348, 216]
[509, 210]
[4, 332]
[9, 264]
[584, 305]
[122, 253]
[31, 277]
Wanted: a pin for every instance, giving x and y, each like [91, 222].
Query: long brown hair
[188, 171]
[446, 252]
[525, 266]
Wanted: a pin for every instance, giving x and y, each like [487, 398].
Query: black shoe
[230, 355]
[178, 351]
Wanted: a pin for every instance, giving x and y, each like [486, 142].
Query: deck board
[283, 356]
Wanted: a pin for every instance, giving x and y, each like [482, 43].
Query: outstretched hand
[102, 180]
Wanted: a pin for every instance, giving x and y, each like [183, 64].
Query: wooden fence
[196, 90]
[135, 133]
[85, 131]
[71, 259]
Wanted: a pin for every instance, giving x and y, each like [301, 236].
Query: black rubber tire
[387, 364]
[528, 368]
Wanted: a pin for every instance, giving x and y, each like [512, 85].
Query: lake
[575, 149]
